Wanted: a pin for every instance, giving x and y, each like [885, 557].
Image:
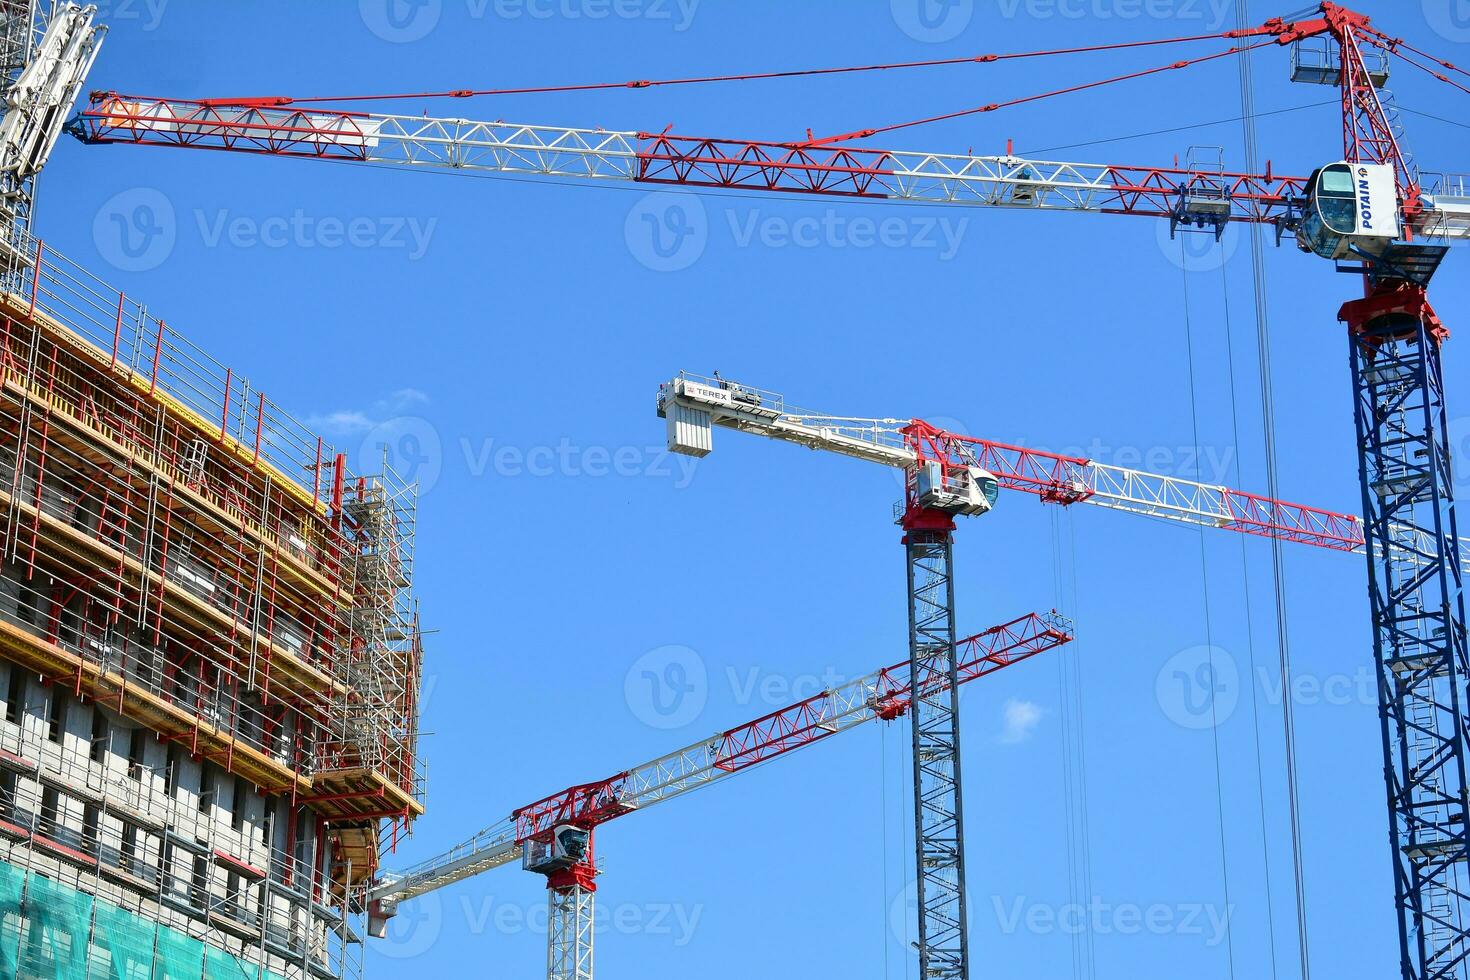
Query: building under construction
[209, 655]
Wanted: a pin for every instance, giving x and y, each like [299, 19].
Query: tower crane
[45, 56]
[554, 835]
[1372, 212]
[946, 475]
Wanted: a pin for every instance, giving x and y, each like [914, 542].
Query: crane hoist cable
[1250, 634]
[1081, 728]
[1069, 800]
[1245, 72]
[883, 855]
[1073, 741]
[468, 93]
[1204, 570]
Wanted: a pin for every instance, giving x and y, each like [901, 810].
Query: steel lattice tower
[939, 817]
[1416, 589]
[569, 952]
[19, 29]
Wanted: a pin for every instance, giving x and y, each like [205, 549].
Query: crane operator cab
[567, 847]
[1351, 210]
[961, 490]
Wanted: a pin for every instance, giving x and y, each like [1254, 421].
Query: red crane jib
[795, 726]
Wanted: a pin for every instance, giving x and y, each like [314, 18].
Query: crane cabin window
[1337, 199]
[1331, 214]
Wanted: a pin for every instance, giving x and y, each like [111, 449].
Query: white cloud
[340, 423]
[354, 422]
[1020, 719]
[403, 398]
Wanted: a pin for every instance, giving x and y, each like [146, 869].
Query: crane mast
[46, 51]
[1415, 571]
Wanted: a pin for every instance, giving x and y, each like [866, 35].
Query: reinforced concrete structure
[209, 655]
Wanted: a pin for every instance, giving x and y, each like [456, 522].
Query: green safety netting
[219, 965]
[122, 945]
[12, 881]
[44, 928]
[60, 920]
[180, 957]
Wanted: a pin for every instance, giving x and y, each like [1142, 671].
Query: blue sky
[507, 338]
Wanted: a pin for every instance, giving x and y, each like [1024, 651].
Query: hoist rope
[1204, 570]
[1073, 658]
[1069, 764]
[1268, 428]
[1250, 633]
[885, 898]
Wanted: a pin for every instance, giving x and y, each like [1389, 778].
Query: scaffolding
[180, 553]
[102, 865]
